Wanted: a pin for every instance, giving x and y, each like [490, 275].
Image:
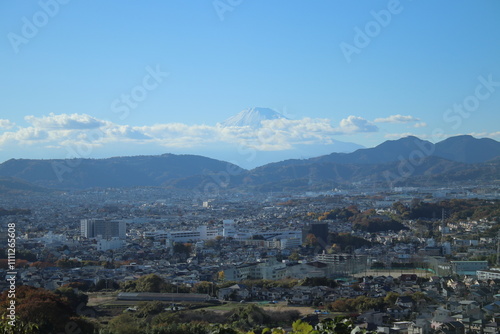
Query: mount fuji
[252, 117]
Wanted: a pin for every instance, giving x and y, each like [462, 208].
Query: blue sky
[361, 72]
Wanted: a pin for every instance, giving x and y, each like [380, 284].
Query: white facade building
[110, 244]
[493, 273]
[200, 233]
[273, 239]
[291, 243]
[228, 229]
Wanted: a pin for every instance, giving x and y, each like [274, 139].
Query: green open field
[281, 306]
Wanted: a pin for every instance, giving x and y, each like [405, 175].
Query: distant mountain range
[465, 149]
[408, 161]
[112, 172]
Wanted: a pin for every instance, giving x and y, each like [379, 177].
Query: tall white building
[228, 229]
[105, 229]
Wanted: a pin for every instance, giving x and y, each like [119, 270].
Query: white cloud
[278, 134]
[420, 125]
[65, 130]
[24, 136]
[80, 134]
[124, 132]
[397, 119]
[6, 124]
[355, 124]
[65, 121]
[494, 134]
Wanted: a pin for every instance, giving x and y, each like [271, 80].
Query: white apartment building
[486, 274]
[106, 229]
[273, 239]
[200, 233]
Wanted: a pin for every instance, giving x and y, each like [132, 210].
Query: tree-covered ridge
[454, 209]
[346, 241]
[367, 220]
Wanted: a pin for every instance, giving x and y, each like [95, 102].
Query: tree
[51, 312]
[183, 248]
[294, 256]
[146, 309]
[400, 208]
[211, 243]
[203, 287]
[106, 284]
[125, 324]
[319, 281]
[20, 327]
[311, 240]
[150, 283]
[68, 263]
[25, 254]
[339, 325]
[74, 299]
[83, 286]
[378, 265]
[391, 298]
[223, 329]
[334, 249]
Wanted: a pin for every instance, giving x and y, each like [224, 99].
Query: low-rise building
[468, 267]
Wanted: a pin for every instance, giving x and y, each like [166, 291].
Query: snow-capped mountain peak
[252, 117]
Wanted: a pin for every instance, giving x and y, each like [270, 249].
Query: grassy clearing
[282, 306]
[223, 307]
[101, 298]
